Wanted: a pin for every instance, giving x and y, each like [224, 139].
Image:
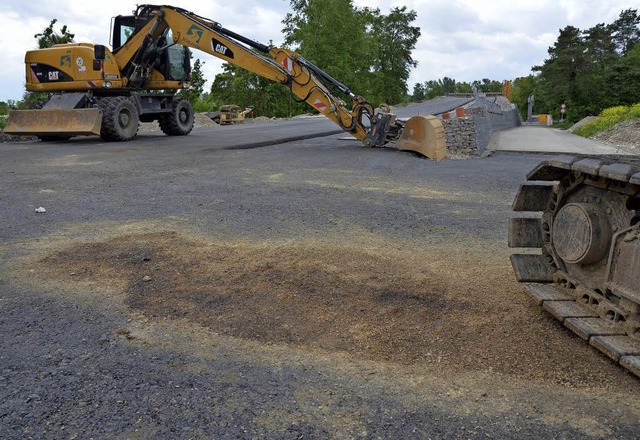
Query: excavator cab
[172, 61]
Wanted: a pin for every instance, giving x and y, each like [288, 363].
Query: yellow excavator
[96, 91]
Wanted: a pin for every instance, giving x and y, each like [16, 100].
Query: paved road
[432, 107]
[79, 359]
[550, 140]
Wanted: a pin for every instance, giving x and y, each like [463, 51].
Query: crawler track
[583, 217]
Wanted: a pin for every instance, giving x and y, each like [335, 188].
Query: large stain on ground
[367, 302]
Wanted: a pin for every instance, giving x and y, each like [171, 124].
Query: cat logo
[221, 48]
[54, 75]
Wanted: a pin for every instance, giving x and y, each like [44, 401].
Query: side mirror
[100, 52]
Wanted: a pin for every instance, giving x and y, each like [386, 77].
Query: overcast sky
[463, 39]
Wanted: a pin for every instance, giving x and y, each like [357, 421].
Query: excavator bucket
[423, 135]
[54, 122]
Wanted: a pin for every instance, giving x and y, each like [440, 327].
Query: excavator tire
[582, 218]
[180, 121]
[120, 118]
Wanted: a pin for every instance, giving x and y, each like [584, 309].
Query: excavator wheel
[120, 119]
[423, 135]
[180, 121]
[581, 218]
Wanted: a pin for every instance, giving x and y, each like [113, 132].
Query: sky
[465, 40]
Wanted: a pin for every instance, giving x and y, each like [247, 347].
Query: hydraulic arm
[305, 80]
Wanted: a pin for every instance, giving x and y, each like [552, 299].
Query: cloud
[463, 39]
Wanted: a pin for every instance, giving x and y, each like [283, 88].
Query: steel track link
[583, 218]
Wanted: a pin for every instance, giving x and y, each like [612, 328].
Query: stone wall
[460, 134]
[472, 132]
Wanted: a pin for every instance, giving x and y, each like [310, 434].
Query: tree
[48, 37]
[626, 31]
[487, 85]
[238, 86]
[363, 48]
[419, 92]
[592, 69]
[600, 46]
[331, 34]
[195, 90]
[624, 77]
[433, 88]
[394, 40]
[560, 74]
[522, 88]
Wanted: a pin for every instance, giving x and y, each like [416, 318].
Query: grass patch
[562, 125]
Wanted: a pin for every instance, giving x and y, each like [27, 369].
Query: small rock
[146, 278]
[41, 210]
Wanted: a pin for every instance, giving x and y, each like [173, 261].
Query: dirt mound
[365, 302]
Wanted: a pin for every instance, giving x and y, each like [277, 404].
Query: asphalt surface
[549, 140]
[67, 371]
[432, 106]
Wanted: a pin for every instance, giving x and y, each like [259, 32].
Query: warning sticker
[319, 105]
[288, 64]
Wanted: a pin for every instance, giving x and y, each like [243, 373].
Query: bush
[608, 119]
[612, 115]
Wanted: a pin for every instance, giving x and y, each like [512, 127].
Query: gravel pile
[582, 123]
[626, 135]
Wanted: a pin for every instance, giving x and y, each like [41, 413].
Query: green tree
[394, 39]
[487, 85]
[463, 87]
[559, 75]
[419, 92]
[523, 87]
[195, 90]
[624, 78]
[48, 37]
[4, 108]
[433, 88]
[590, 70]
[626, 31]
[241, 87]
[332, 35]
[449, 85]
[362, 48]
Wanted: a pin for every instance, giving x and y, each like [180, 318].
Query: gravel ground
[314, 289]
